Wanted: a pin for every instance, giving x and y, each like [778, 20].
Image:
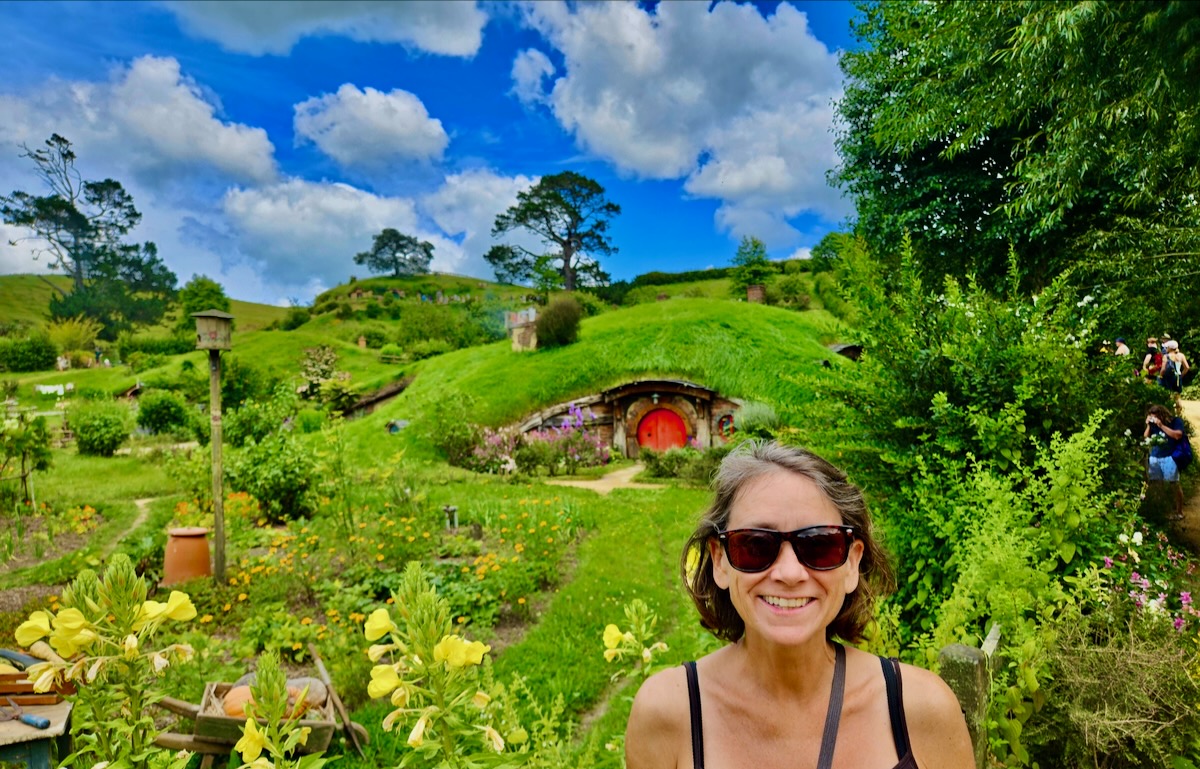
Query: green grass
[717, 288]
[430, 284]
[27, 297]
[741, 350]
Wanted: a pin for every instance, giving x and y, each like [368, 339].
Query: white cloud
[529, 70]
[300, 229]
[370, 128]
[148, 121]
[466, 206]
[272, 27]
[738, 105]
[18, 255]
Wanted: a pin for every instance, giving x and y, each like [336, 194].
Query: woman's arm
[1171, 431]
[936, 727]
[659, 723]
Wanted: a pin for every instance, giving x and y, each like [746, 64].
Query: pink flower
[1179, 623]
[1107, 562]
[1185, 598]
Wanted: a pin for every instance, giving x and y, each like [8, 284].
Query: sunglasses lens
[820, 547]
[825, 550]
[752, 550]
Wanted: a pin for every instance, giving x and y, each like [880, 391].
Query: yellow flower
[481, 699]
[383, 680]
[252, 742]
[179, 607]
[42, 674]
[400, 696]
[206, 618]
[517, 736]
[131, 646]
[376, 652]
[611, 654]
[457, 652]
[33, 629]
[494, 739]
[379, 624]
[612, 637]
[417, 735]
[692, 565]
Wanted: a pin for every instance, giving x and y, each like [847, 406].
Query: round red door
[662, 429]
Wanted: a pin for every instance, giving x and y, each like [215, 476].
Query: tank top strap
[697, 722]
[895, 695]
[833, 715]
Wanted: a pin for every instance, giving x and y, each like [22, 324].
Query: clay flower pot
[186, 556]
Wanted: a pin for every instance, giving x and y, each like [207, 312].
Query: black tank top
[895, 695]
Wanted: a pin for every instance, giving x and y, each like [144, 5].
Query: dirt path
[1188, 529]
[143, 508]
[618, 479]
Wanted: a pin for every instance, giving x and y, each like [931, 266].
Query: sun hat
[1172, 345]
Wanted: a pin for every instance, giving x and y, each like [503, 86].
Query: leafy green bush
[450, 430]
[427, 348]
[100, 427]
[254, 420]
[32, 353]
[279, 472]
[161, 411]
[391, 350]
[127, 345]
[296, 317]
[756, 420]
[558, 324]
[310, 420]
[143, 361]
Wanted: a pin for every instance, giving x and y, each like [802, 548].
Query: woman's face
[788, 603]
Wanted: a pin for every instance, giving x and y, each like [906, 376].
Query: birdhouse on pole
[214, 330]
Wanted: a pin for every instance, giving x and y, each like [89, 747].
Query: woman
[787, 561]
[1174, 367]
[1162, 466]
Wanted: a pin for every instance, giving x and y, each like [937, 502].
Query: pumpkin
[235, 701]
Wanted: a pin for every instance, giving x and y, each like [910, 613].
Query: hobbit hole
[657, 414]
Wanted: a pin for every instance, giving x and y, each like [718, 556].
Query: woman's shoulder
[659, 722]
[936, 727]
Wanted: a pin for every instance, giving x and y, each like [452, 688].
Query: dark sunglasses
[817, 547]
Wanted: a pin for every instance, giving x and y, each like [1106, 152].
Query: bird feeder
[214, 330]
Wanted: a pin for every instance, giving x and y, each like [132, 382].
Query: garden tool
[18, 659]
[16, 714]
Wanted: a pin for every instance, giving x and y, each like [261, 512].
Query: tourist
[1165, 434]
[1122, 348]
[785, 566]
[1174, 368]
[1153, 360]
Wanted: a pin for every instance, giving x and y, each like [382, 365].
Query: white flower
[1137, 537]
[1123, 539]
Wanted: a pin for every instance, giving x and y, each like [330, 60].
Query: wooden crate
[20, 688]
[212, 723]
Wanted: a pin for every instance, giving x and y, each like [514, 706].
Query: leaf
[1066, 551]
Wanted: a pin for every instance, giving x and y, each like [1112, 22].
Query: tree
[976, 126]
[81, 226]
[201, 293]
[751, 266]
[570, 214]
[398, 253]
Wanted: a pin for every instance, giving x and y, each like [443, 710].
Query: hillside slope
[743, 350]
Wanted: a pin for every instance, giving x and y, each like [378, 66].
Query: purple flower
[1107, 562]
[1185, 598]
[1179, 623]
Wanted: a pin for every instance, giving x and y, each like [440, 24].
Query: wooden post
[214, 398]
[967, 671]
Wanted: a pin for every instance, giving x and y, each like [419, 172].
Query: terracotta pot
[186, 556]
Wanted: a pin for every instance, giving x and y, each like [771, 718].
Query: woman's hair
[1162, 413]
[746, 463]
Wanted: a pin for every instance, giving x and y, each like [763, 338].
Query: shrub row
[32, 353]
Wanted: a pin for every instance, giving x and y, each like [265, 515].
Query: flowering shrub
[103, 630]
[636, 646]
[569, 446]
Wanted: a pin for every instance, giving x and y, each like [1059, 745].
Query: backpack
[1183, 453]
[1170, 373]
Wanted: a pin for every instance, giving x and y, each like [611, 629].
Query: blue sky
[267, 142]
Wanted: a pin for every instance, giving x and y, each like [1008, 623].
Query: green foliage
[24, 449]
[128, 344]
[686, 463]
[395, 252]
[451, 430]
[32, 353]
[751, 267]
[161, 411]
[570, 214]
[280, 736]
[756, 420]
[100, 426]
[296, 317]
[654, 278]
[427, 348]
[199, 294]
[278, 471]
[77, 333]
[558, 323]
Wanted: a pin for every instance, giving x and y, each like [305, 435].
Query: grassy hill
[744, 350]
[26, 298]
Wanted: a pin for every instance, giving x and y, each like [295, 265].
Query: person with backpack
[1170, 451]
[1174, 367]
[1153, 360]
